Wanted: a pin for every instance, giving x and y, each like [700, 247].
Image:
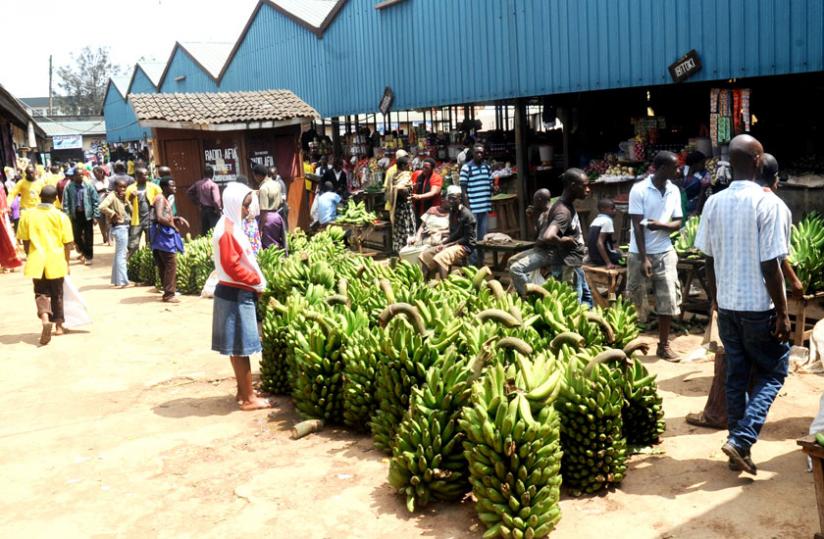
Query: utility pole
[50, 86]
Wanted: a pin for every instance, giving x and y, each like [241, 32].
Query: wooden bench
[502, 251]
[816, 454]
[613, 280]
[804, 313]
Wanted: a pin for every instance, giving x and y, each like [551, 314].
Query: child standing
[600, 243]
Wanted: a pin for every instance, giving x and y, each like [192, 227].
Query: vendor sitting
[461, 240]
[434, 229]
[600, 244]
[325, 207]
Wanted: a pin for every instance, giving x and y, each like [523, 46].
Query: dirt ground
[128, 429]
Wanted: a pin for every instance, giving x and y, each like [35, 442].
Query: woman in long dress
[401, 213]
[8, 243]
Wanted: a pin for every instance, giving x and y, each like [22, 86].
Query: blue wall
[121, 122]
[141, 83]
[438, 52]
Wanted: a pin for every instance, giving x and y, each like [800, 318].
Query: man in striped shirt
[476, 183]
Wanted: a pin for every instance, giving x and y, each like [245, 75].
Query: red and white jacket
[235, 263]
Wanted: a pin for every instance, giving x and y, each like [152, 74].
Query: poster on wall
[261, 157]
[67, 142]
[221, 155]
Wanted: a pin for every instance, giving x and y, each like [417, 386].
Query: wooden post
[336, 145]
[522, 161]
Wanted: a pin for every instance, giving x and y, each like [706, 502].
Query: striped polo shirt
[477, 179]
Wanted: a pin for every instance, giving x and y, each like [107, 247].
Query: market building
[20, 135]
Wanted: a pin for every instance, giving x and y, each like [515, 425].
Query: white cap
[401, 153]
[453, 190]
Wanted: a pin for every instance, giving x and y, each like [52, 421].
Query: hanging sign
[386, 101]
[262, 157]
[222, 158]
[685, 67]
[67, 142]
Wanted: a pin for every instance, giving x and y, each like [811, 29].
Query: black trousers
[167, 267]
[48, 296]
[83, 230]
[208, 219]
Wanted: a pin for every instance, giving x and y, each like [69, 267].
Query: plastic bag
[209, 288]
[74, 308]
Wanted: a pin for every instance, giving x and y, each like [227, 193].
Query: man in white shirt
[655, 210]
[741, 235]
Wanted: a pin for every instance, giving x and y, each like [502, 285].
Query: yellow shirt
[152, 190]
[29, 193]
[48, 230]
[52, 179]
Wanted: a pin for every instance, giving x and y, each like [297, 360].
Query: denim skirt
[234, 324]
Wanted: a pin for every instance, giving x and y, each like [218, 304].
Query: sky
[132, 30]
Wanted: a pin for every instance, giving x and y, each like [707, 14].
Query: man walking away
[141, 196]
[166, 240]
[81, 203]
[476, 182]
[655, 210]
[47, 238]
[205, 194]
[742, 237]
[461, 241]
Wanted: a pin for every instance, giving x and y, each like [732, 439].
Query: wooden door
[184, 158]
[287, 157]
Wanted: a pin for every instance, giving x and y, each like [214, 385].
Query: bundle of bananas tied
[590, 404]
[513, 447]
[807, 251]
[643, 412]
[360, 364]
[427, 460]
[277, 345]
[194, 265]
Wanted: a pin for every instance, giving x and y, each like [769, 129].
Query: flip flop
[46, 333]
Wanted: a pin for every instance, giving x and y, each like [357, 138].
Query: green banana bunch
[427, 459]
[685, 238]
[355, 213]
[590, 403]
[643, 413]
[807, 251]
[623, 318]
[360, 365]
[513, 447]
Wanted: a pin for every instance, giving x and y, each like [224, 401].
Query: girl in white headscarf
[234, 325]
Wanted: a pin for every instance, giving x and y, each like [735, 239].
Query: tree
[83, 82]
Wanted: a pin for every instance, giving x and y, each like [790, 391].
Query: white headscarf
[233, 196]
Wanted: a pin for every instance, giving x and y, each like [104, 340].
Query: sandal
[46, 333]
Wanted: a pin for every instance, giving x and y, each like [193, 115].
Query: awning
[221, 111]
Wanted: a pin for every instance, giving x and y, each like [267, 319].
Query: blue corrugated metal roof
[436, 52]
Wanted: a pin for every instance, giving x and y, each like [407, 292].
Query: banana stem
[568, 337]
[343, 287]
[496, 288]
[386, 286]
[337, 299]
[595, 318]
[607, 356]
[636, 346]
[499, 316]
[321, 320]
[482, 274]
[411, 313]
[532, 288]
[277, 306]
[514, 343]
[307, 427]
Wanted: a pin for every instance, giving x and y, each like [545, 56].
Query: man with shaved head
[741, 235]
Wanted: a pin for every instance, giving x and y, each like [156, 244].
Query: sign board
[685, 67]
[222, 157]
[261, 157]
[67, 142]
[386, 101]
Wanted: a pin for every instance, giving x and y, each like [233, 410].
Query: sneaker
[665, 352]
[740, 458]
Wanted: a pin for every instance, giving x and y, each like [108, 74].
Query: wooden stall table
[502, 251]
[358, 234]
[816, 454]
[379, 237]
[691, 270]
[804, 313]
[614, 280]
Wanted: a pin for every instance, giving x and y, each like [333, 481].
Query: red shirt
[422, 187]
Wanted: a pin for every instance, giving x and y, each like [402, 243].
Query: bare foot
[46, 333]
[256, 403]
[59, 330]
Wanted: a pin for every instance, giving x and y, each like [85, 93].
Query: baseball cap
[453, 190]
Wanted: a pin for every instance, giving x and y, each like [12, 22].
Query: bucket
[411, 253]
[546, 153]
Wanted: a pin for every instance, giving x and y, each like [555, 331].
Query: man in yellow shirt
[28, 188]
[47, 238]
[140, 195]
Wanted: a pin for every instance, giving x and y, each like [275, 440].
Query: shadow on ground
[197, 407]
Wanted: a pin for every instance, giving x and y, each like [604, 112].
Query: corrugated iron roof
[221, 107]
[122, 81]
[153, 70]
[78, 127]
[211, 55]
[313, 12]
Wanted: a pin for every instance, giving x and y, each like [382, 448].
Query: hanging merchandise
[729, 114]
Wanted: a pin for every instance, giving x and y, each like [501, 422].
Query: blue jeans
[751, 350]
[120, 233]
[526, 263]
[582, 287]
[481, 226]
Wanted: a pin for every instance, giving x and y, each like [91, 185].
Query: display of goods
[590, 403]
[194, 265]
[356, 214]
[278, 346]
[406, 355]
[427, 459]
[559, 315]
[685, 238]
[623, 318]
[513, 447]
[643, 412]
[807, 252]
[140, 267]
[360, 369]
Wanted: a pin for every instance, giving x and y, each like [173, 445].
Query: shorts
[665, 283]
[234, 322]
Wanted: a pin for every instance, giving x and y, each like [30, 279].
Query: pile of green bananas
[513, 447]
[807, 252]
[642, 414]
[590, 404]
[623, 318]
[140, 267]
[685, 238]
[277, 345]
[194, 265]
[427, 459]
[360, 369]
[356, 214]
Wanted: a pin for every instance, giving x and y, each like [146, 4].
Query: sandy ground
[129, 429]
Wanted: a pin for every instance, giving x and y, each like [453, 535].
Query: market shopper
[325, 207]
[119, 173]
[81, 203]
[205, 194]
[389, 178]
[284, 203]
[28, 188]
[741, 235]
[695, 183]
[116, 208]
[560, 242]
[426, 188]
[8, 241]
[101, 185]
[165, 239]
[140, 195]
[401, 214]
[461, 240]
[434, 227]
[337, 176]
[655, 210]
[270, 193]
[47, 238]
[600, 242]
[234, 323]
[476, 182]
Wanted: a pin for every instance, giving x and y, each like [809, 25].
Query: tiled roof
[221, 107]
